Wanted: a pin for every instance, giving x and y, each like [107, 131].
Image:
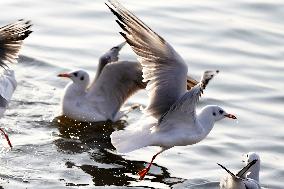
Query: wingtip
[220, 165]
[107, 5]
[121, 45]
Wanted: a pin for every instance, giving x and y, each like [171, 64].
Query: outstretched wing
[162, 66]
[11, 38]
[244, 170]
[110, 56]
[117, 82]
[227, 170]
[187, 103]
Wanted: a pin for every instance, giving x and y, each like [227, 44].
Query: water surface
[243, 39]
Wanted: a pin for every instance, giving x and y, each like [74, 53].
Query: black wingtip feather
[122, 26]
[246, 168]
[12, 36]
[123, 35]
[228, 171]
[114, 12]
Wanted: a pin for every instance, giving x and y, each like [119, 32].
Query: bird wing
[244, 170]
[3, 102]
[227, 170]
[191, 82]
[187, 103]
[247, 183]
[110, 56]
[163, 68]
[117, 82]
[11, 38]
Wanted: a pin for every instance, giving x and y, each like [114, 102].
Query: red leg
[6, 137]
[143, 172]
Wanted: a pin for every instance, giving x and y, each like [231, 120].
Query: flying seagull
[11, 40]
[170, 118]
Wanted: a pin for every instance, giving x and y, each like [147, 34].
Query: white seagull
[172, 109]
[114, 83]
[11, 40]
[246, 178]
[101, 100]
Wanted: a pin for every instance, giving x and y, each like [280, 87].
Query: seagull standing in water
[11, 40]
[170, 118]
[101, 100]
[247, 177]
[114, 83]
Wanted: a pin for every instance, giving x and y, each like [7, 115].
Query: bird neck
[253, 172]
[73, 89]
[206, 120]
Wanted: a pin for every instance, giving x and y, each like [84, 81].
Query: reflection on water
[94, 138]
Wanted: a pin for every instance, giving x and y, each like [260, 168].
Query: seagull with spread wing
[102, 99]
[170, 118]
[246, 178]
[11, 40]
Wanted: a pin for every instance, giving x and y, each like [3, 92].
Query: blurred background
[243, 39]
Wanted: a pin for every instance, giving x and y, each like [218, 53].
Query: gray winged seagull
[170, 118]
[102, 99]
[11, 40]
[247, 177]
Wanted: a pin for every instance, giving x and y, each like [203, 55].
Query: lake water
[243, 39]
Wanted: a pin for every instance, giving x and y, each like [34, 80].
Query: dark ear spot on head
[214, 114]
[82, 78]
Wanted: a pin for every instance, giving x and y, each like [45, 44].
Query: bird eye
[75, 74]
[82, 78]
[214, 114]
[221, 111]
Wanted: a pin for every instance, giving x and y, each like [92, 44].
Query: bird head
[79, 77]
[217, 113]
[249, 157]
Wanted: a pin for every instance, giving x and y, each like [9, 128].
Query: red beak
[231, 116]
[64, 75]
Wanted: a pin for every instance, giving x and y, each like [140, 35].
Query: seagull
[246, 178]
[11, 40]
[101, 100]
[170, 119]
[114, 83]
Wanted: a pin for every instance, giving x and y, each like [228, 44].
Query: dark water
[243, 39]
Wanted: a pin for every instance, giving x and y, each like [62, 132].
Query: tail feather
[134, 137]
[126, 141]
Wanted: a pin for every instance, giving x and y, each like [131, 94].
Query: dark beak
[231, 116]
